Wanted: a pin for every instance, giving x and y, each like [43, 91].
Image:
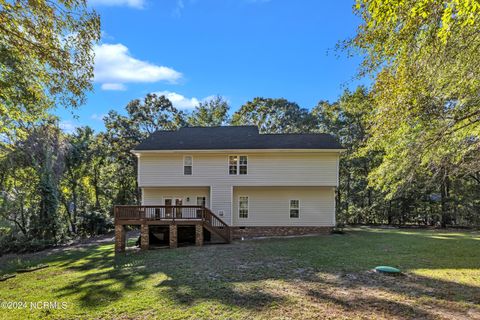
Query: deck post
[144, 237]
[173, 235]
[198, 234]
[120, 238]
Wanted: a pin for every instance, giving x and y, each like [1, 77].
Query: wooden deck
[199, 216]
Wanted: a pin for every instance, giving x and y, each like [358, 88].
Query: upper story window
[232, 164]
[237, 165]
[187, 165]
[294, 208]
[242, 165]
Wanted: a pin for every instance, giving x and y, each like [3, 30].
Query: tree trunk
[445, 198]
[74, 213]
[96, 188]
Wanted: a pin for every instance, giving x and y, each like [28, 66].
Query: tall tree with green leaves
[125, 132]
[78, 158]
[210, 113]
[46, 59]
[424, 57]
[347, 120]
[44, 152]
[274, 116]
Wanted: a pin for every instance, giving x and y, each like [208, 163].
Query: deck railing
[172, 213]
[159, 212]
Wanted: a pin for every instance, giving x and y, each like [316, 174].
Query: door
[171, 210]
[178, 211]
[168, 209]
[201, 201]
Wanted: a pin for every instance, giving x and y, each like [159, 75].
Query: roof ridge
[234, 137]
[296, 133]
[211, 127]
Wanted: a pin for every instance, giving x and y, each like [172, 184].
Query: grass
[306, 277]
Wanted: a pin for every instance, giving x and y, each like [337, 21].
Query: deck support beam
[198, 234]
[120, 238]
[144, 237]
[173, 235]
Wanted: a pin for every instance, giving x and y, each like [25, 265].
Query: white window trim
[290, 208]
[228, 165]
[183, 166]
[238, 164]
[248, 207]
[196, 200]
[174, 198]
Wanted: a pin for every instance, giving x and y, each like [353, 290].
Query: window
[294, 208]
[201, 201]
[232, 165]
[243, 207]
[243, 165]
[187, 165]
[237, 165]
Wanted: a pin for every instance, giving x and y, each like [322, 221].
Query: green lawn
[307, 277]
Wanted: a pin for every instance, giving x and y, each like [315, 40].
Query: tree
[41, 155]
[77, 162]
[274, 116]
[46, 59]
[426, 105]
[347, 120]
[125, 132]
[210, 113]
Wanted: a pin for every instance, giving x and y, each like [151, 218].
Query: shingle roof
[234, 138]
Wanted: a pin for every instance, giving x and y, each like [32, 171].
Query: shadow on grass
[235, 275]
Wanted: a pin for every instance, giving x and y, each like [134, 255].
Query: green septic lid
[387, 269]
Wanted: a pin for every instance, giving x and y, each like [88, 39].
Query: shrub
[18, 243]
[95, 223]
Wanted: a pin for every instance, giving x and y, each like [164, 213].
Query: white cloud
[114, 86]
[177, 12]
[98, 117]
[179, 101]
[67, 126]
[138, 4]
[105, 36]
[115, 65]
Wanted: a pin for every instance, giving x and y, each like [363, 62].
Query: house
[228, 182]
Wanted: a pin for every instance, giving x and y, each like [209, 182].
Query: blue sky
[239, 49]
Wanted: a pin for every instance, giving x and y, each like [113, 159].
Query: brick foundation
[120, 238]
[252, 232]
[144, 237]
[198, 235]
[173, 236]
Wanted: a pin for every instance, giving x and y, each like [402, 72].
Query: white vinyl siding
[270, 206]
[293, 169]
[155, 196]
[221, 201]
[264, 169]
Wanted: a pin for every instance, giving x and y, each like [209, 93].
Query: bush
[18, 243]
[95, 223]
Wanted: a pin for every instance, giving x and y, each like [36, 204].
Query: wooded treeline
[57, 186]
[412, 136]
